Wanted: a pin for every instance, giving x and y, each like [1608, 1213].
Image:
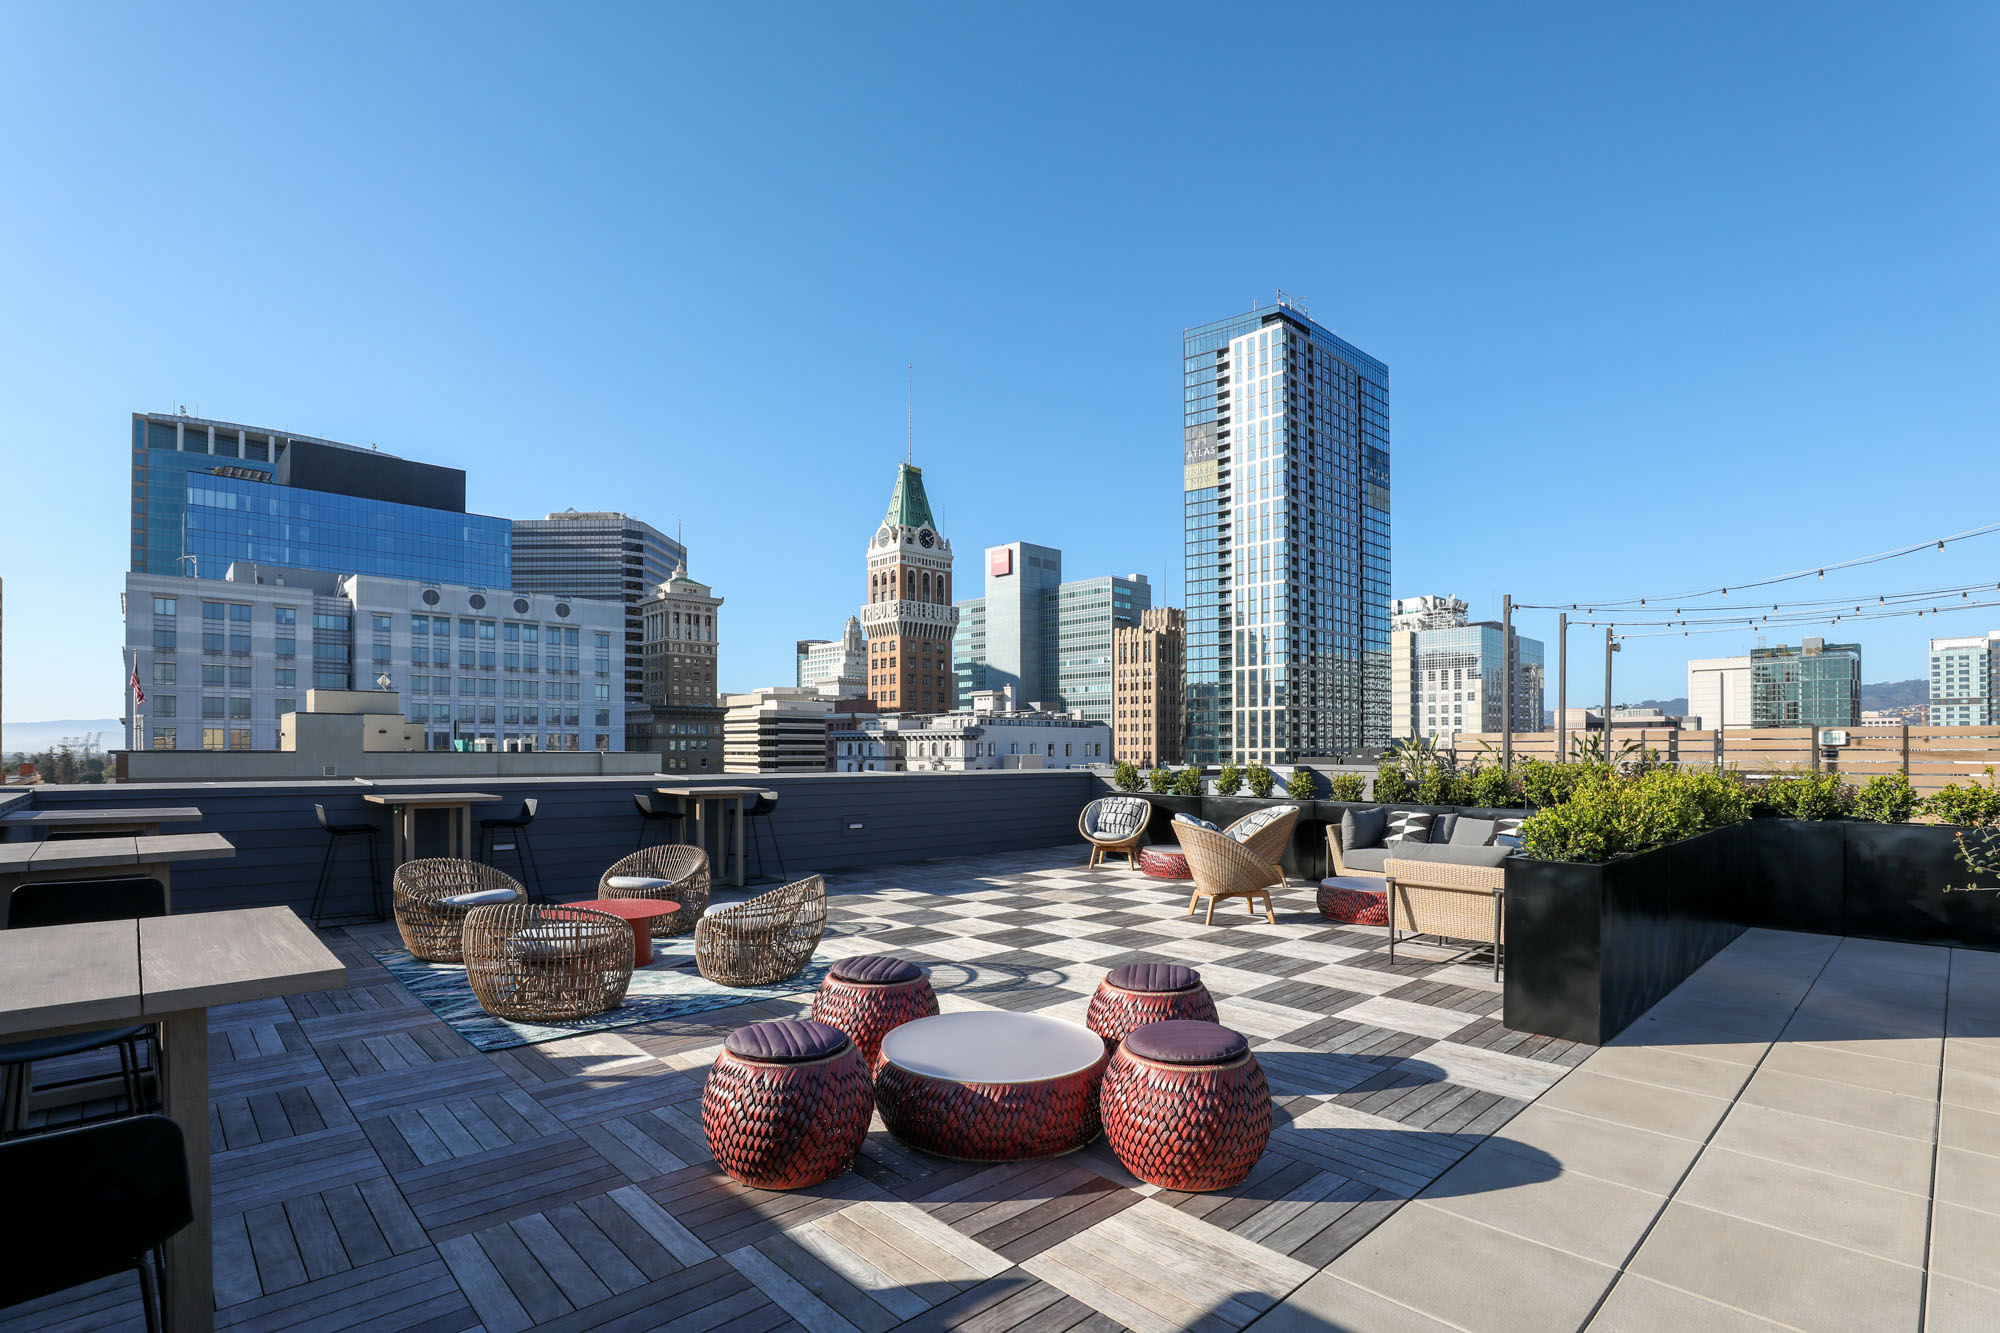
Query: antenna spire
[910, 412]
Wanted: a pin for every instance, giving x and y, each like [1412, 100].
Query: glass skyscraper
[1048, 640]
[1817, 684]
[1286, 472]
[208, 493]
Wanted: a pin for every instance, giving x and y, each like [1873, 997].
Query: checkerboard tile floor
[373, 1171]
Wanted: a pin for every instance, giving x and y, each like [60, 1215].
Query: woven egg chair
[764, 940]
[545, 964]
[685, 872]
[430, 925]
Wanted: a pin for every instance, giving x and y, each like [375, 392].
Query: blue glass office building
[207, 493]
[1285, 459]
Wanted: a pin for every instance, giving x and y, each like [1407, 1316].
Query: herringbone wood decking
[374, 1171]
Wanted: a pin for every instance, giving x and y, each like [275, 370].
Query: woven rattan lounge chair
[1266, 832]
[543, 964]
[426, 914]
[1455, 902]
[1225, 868]
[673, 871]
[766, 939]
[1115, 824]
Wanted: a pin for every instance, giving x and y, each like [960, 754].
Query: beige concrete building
[778, 729]
[679, 634]
[1149, 689]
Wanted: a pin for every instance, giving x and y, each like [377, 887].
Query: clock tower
[909, 618]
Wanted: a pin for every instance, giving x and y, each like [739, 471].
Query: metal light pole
[1562, 687]
[1507, 684]
[1610, 647]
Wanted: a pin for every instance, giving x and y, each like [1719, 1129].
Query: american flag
[138, 691]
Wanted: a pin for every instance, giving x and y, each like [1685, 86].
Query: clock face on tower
[927, 538]
[884, 537]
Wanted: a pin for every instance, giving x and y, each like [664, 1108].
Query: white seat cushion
[480, 898]
[637, 882]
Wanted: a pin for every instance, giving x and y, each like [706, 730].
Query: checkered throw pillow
[1505, 828]
[1410, 825]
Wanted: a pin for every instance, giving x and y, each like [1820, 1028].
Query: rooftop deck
[1767, 1143]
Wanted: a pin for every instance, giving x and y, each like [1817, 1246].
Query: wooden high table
[99, 858]
[134, 820]
[695, 797]
[403, 808]
[168, 970]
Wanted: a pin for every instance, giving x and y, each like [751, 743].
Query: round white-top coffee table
[991, 1086]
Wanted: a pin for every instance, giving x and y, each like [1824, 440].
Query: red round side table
[1146, 993]
[1186, 1106]
[635, 912]
[870, 996]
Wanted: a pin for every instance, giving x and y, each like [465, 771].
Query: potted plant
[1228, 780]
[1261, 780]
[1349, 787]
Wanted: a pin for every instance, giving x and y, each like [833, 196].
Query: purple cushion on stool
[786, 1041]
[1185, 1041]
[875, 969]
[1153, 977]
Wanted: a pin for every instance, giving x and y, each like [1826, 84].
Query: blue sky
[1671, 296]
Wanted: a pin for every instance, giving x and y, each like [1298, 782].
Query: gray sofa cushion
[1365, 858]
[1455, 855]
[1361, 829]
[1470, 832]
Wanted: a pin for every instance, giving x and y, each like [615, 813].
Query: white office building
[1965, 681]
[221, 661]
[986, 736]
[1719, 695]
[838, 667]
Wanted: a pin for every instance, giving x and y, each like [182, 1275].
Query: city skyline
[1566, 310]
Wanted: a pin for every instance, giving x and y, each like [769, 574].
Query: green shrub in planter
[1391, 786]
[1346, 786]
[1435, 786]
[1187, 782]
[1886, 798]
[1126, 777]
[1543, 783]
[1300, 785]
[1162, 780]
[1808, 796]
[1971, 806]
[1489, 787]
[1261, 780]
[1228, 780]
[1600, 819]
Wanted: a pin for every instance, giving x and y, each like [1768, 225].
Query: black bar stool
[491, 831]
[106, 1198]
[62, 903]
[761, 809]
[334, 833]
[654, 811]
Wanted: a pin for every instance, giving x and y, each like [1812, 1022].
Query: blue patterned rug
[669, 987]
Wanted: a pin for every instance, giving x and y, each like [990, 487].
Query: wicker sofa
[1454, 839]
[1451, 901]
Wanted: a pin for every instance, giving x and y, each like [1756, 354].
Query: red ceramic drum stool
[787, 1104]
[1162, 863]
[868, 997]
[1185, 1105]
[1352, 901]
[1146, 993]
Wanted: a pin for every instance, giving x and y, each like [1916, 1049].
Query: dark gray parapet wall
[824, 822]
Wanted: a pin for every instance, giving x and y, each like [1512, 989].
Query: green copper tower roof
[909, 507]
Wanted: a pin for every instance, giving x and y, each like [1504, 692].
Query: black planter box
[1793, 870]
[1898, 886]
[1591, 947]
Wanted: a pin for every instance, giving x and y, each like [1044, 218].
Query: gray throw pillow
[1198, 822]
[1363, 828]
[1442, 826]
[1470, 832]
